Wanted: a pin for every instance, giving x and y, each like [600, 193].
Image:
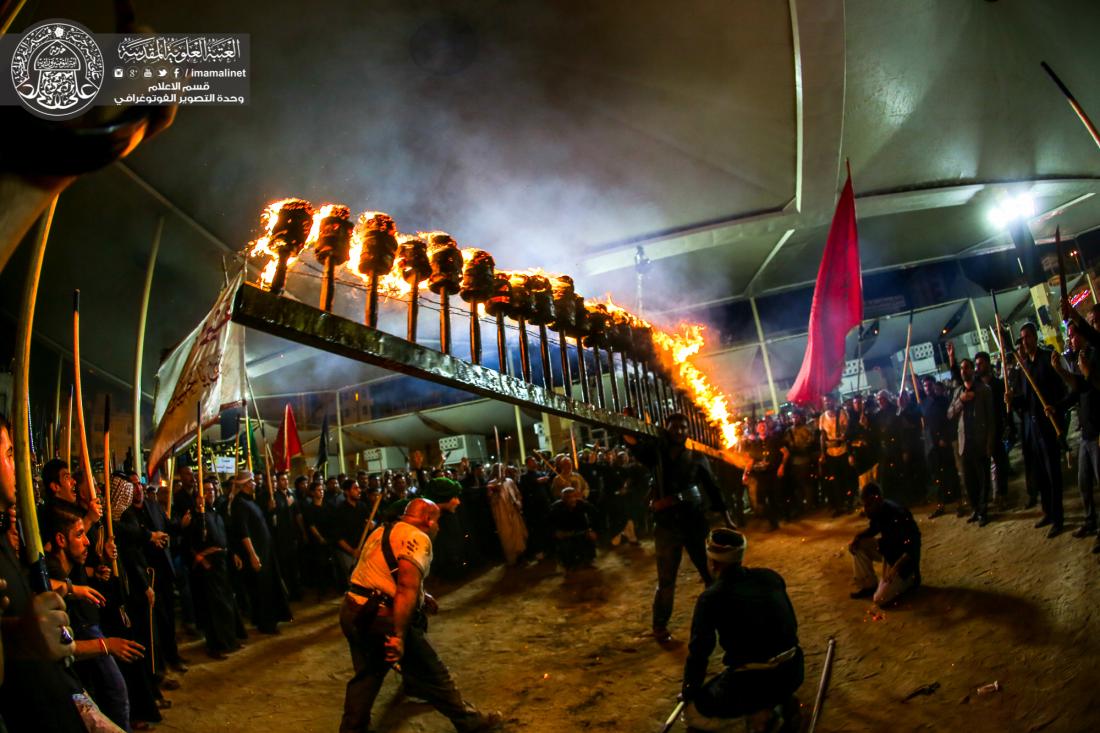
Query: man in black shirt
[750, 613]
[571, 518]
[1087, 398]
[938, 429]
[152, 517]
[95, 653]
[680, 478]
[36, 691]
[898, 548]
[350, 518]
[534, 488]
[1041, 445]
[254, 546]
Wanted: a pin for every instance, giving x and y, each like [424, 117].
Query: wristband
[68, 587]
[103, 643]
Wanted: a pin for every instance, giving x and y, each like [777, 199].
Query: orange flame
[262, 245]
[679, 348]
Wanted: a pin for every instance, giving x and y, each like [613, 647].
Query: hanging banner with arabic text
[205, 369]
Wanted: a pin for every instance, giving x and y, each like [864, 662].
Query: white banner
[205, 369]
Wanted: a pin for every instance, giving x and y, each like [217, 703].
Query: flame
[390, 285]
[262, 245]
[679, 347]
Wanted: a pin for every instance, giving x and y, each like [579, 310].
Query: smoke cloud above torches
[674, 349]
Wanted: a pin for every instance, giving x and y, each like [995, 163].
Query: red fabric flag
[287, 443]
[837, 305]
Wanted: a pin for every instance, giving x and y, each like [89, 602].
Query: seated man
[749, 611]
[571, 521]
[898, 547]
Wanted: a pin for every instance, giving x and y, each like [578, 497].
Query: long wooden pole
[78, 398]
[905, 360]
[1000, 346]
[199, 461]
[69, 432]
[171, 481]
[55, 452]
[340, 434]
[1074, 104]
[1039, 395]
[366, 527]
[21, 428]
[139, 347]
[823, 685]
[107, 477]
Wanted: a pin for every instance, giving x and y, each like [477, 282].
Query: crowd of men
[948, 441]
[227, 552]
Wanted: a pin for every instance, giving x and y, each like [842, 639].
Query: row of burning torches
[402, 264]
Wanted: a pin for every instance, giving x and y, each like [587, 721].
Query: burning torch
[378, 234]
[478, 274]
[415, 267]
[332, 248]
[445, 280]
[293, 220]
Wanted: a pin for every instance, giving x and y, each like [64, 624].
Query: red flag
[287, 443]
[837, 305]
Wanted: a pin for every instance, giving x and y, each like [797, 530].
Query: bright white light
[1012, 209]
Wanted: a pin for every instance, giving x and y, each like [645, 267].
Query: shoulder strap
[387, 551]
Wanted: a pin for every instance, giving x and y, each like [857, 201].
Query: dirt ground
[561, 654]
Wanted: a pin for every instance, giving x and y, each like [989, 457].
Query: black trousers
[733, 694]
[677, 529]
[977, 477]
[424, 673]
[1043, 462]
[945, 476]
[837, 481]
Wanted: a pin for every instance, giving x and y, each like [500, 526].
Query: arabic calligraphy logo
[57, 69]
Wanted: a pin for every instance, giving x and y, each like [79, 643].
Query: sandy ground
[566, 654]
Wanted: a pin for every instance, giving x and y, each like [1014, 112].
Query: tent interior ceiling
[561, 135]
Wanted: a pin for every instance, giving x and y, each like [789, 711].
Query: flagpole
[85, 457]
[139, 348]
[286, 436]
[1073, 103]
[20, 428]
[340, 434]
[905, 359]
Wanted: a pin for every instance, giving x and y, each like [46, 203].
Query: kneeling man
[749, 611]
[898, 548]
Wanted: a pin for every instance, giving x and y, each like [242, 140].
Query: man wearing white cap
[248, 528]
[749, 612]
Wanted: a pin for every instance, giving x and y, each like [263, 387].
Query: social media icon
[118, 73]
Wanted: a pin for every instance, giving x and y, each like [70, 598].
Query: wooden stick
[198, 452]
[1073, 103]
[913, 373]
[107, 478]
[548, 464]
[500, 458]
[905, 361]
[823, 685]
[1043, 402]
[69, 432]
[85, 457]
[20, 431]
[366, 527]
[171, 482]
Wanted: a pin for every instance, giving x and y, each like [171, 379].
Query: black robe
[215, 607]
[265, 589]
